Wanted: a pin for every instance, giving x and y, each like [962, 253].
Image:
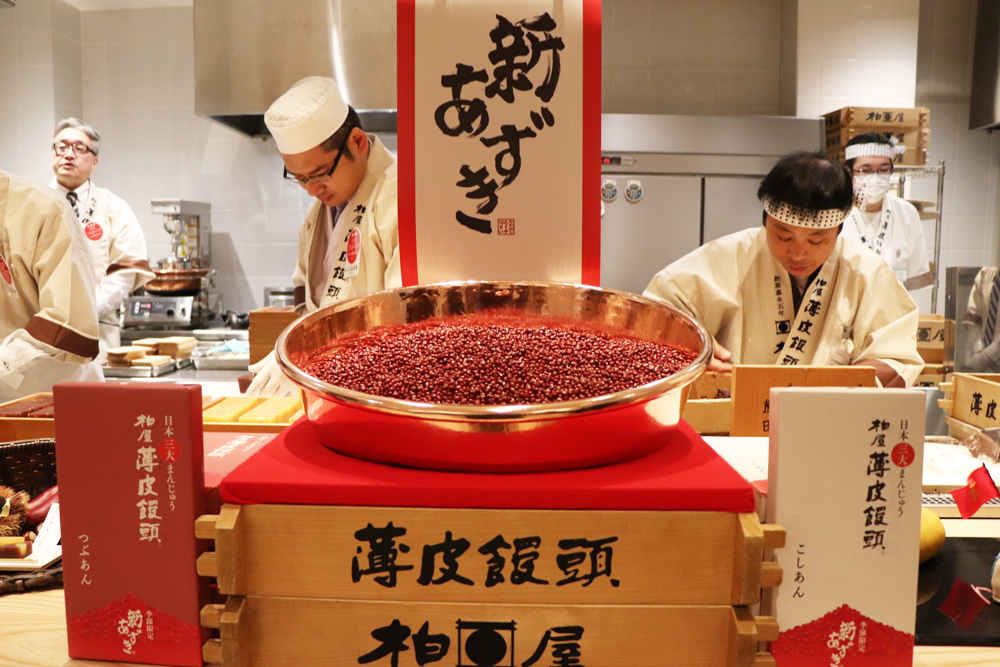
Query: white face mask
[871, 188]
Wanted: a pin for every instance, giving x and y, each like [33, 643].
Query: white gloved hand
[9, 367]
[269, 380]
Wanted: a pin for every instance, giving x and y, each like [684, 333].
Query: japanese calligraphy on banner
[844, 480]
[499, 140]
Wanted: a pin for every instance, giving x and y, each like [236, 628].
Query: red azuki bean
[495, 359]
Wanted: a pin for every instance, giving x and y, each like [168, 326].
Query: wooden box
[683, 579]
[882, 118]
[266, 324]
[972, 398]
[836, 140]
[935, 334]
[708, 404]
[26, 428]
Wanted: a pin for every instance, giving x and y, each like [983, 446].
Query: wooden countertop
[33, 634]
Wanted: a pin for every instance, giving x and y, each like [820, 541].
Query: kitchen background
[127, 68]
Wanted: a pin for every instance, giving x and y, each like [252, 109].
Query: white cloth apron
[855, 308]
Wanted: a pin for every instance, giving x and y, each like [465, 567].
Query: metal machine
[182, 295]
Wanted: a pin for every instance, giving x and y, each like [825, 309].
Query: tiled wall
[972, 158]
[856, 52]
[701, 57]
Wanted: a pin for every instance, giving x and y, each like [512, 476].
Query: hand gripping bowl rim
[492, 413]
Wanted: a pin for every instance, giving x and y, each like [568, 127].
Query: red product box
[223, 453]
[130, 461]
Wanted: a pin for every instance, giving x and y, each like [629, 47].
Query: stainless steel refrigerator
[671, 183]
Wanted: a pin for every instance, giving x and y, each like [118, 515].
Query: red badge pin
[353, 246]
[93, 231]
[5, 271]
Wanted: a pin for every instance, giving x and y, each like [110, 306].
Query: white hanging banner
[499, 140]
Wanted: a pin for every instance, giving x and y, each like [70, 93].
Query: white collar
[82, 192]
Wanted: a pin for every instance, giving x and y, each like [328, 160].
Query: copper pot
[176, 281]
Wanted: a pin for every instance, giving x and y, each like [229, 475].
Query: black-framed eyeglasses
[304, 181]
[868, 171]
[61, 148]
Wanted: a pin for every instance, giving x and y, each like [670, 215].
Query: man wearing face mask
[794, 292]
[887, 224]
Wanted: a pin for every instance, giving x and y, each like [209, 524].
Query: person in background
[349, 242]
[113, 234]
[887, 224]
[48, 321]
[980, 319]
[794, 291]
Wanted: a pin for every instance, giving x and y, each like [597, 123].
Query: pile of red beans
[494, 360]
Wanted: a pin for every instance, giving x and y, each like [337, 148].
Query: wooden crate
[709, 403]
[935, 335]
[972, 398]
[752, 389]
[677, 593]
[26, 428]
[275, 632]
[883, 118]
[931, 376]
[658, 557]
[266, 324]
[836, 140]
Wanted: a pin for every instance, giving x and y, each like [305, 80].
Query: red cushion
[686, 474]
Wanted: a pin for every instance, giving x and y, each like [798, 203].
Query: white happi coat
[118, 248]
[48, 320]
[373, 212]
[854, 309]
[898, 237]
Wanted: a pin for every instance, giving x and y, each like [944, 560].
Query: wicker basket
[29, 465]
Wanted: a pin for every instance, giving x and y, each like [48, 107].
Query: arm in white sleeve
[112, 290]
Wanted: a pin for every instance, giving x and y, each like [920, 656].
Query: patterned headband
[890, 150]
[804, 217]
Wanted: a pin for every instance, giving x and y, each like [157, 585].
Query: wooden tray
[972, 398]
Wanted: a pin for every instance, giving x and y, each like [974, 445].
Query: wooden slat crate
[266, 324]
[836, 140]
[931, 376]
[972, 398]
[935, 334]
[752, 389]
[709, 402]
[885, 118]
[664, 587]
[276, 632]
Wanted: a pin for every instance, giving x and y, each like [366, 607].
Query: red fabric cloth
[686, 474]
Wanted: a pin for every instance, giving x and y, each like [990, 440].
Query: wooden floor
[33, 634]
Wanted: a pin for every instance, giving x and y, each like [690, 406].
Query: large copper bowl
[502, 438]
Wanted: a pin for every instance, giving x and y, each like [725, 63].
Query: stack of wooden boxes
[337, 585]
[935, 338]
[970, 403]
[909, 126]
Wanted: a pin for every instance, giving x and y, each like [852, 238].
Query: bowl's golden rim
[527, 412]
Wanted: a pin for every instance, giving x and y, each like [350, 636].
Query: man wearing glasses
[113, 234]
[349, 242]
[48, 323]
[887, 224]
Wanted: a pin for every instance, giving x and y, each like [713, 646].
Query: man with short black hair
[885, 223]
[349, 242]
[794, 291]
[113, 234]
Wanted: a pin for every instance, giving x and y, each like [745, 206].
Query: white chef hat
[307, 115]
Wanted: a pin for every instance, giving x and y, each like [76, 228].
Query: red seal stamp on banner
[169, 450]
[353, 246]
[903, 454]
[93, 231]
[5, 271]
